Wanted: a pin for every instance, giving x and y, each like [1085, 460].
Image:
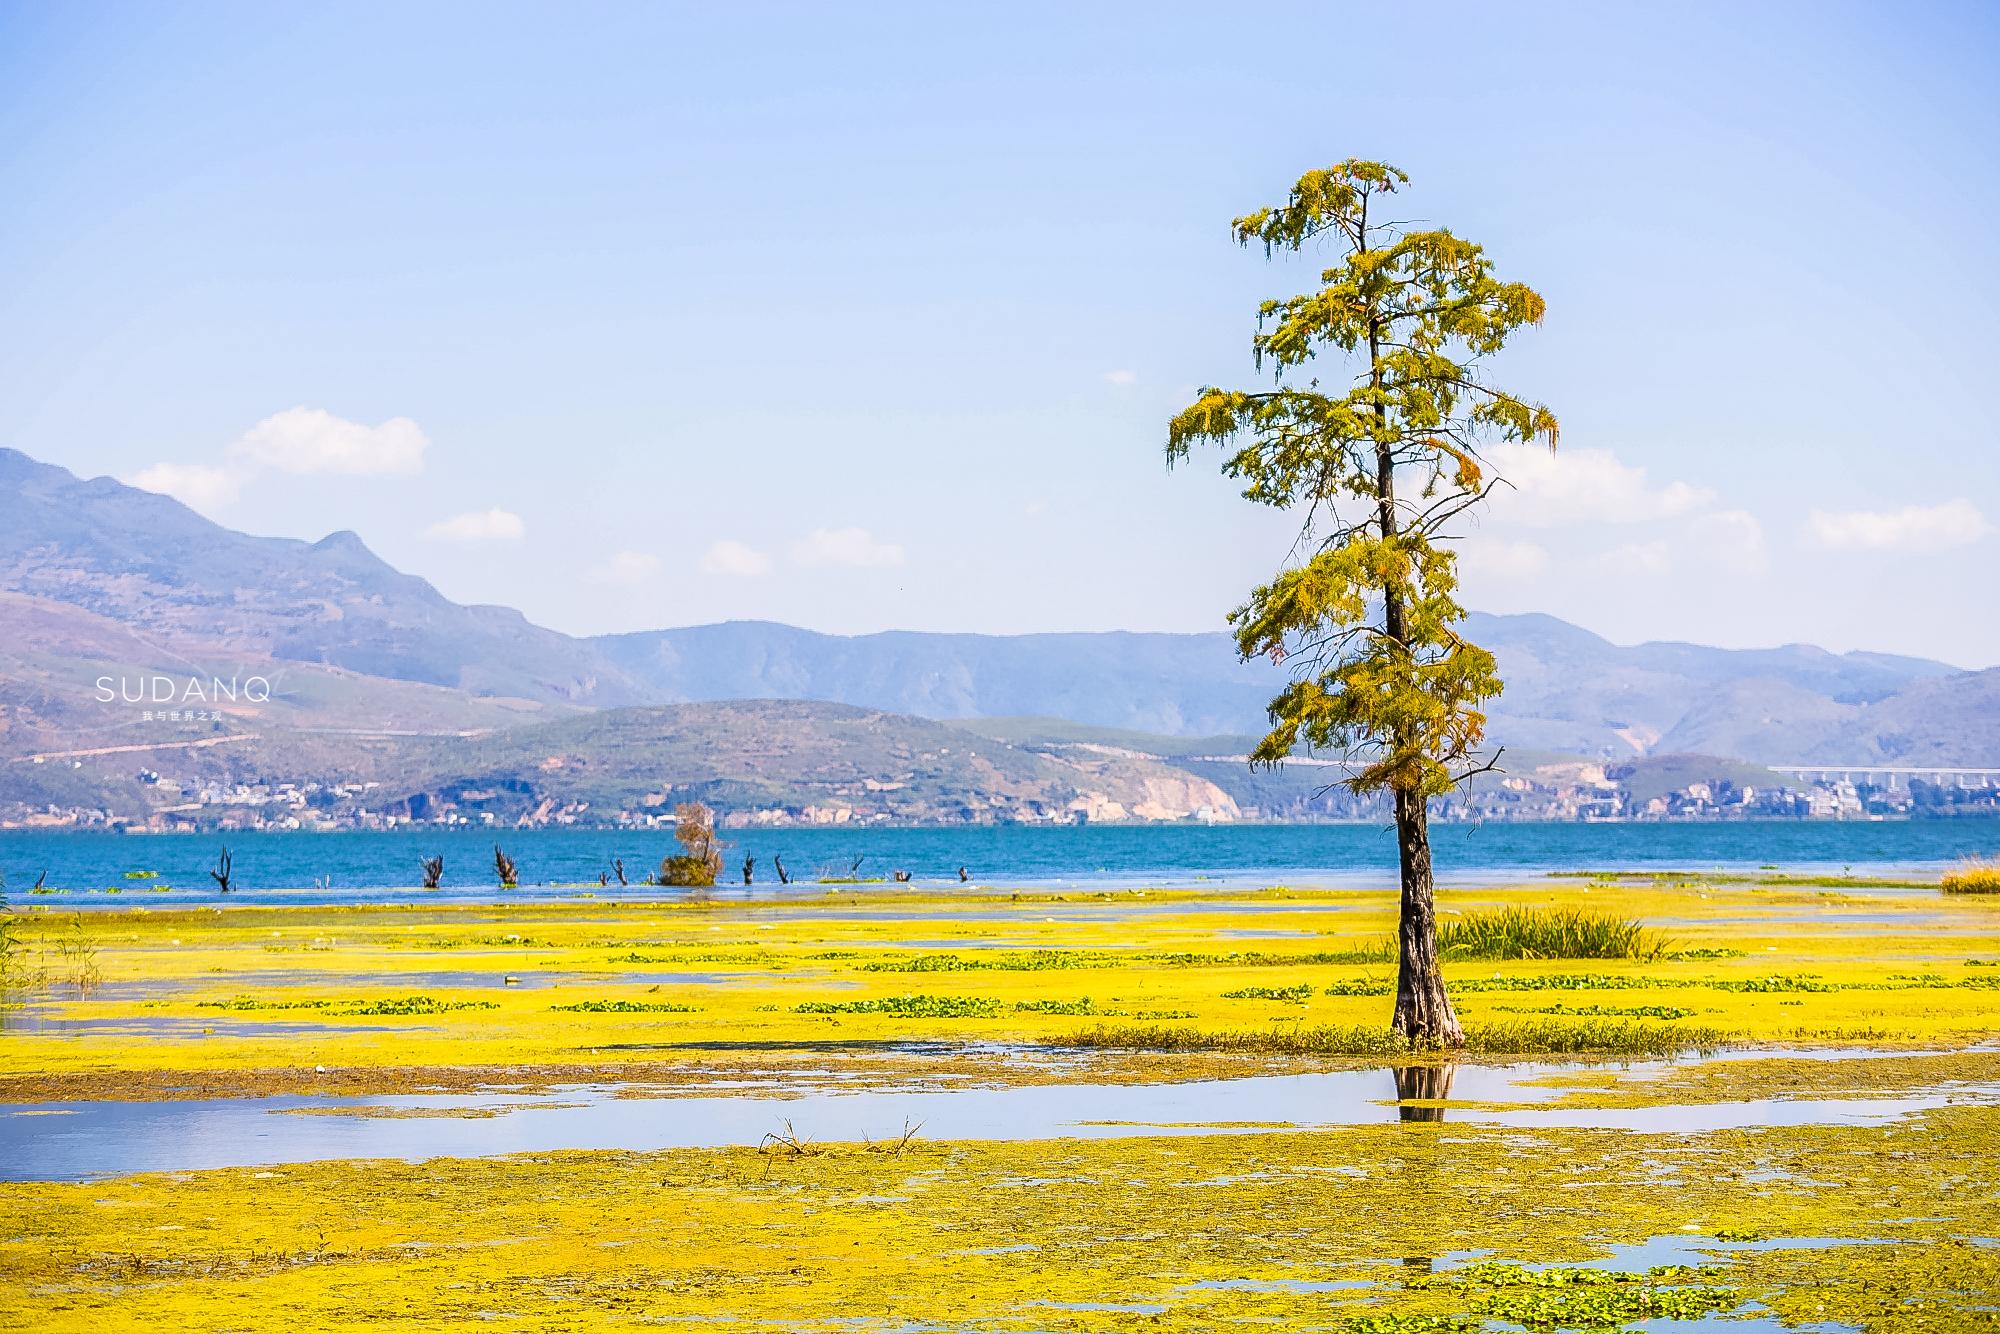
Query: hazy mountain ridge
[102, 575]
[154, 565]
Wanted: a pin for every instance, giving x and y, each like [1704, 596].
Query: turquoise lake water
[364, 866]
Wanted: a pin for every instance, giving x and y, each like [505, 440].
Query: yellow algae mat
[1532, 1207]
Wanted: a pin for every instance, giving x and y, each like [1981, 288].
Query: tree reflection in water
[1430, 1083]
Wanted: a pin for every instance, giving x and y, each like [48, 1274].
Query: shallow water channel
[84, 1140]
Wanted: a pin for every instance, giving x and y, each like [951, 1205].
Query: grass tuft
[1974, 875]
[1546, 933]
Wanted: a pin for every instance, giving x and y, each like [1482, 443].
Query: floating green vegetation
[909, 1007]
[1380, 952]
[390, 1006]
[1083, 1006]
[1512, 1037]
[1774, 983]
[1555, 982]
[1557, 1297]
[142, 875]
[417, 1005]
[1296, 995]
[1034, 961]
[625, 1007]
[1614, 1011]
[1974, 875]
[1688, 878]
[1012, 961]
[1366, 986]
[252, 1003]
[1546, 933]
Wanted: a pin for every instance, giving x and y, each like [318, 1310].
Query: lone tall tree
[1376, 466]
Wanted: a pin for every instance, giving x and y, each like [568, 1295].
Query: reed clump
[1974, 875]
[1546, 933]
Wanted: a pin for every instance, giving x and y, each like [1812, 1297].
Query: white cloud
[1637, 558]
[846, 546]
[193, 484]
[1954, 523]
[495, 525]
[1121, 379]
[1555, 488]
[312, 440]
[626, 567]
[1500, 558]
[731, 557]
[1731, 535]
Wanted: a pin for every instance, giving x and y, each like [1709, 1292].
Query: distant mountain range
[100, 578]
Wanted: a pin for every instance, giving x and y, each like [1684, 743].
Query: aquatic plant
[1514, 1038]
[1974, 875]
[909, 1007]
[1557, 982]
[1777, 982]
[625, 1007]
[417, 1005]
[1546, 933]
[250, 1003]
[1566, 1297]
[1615, 1011]
[1381, 951]
[1030, 961]
[1366, 986]
[1297, 995]
[1084, 1006]
[1604, 1307]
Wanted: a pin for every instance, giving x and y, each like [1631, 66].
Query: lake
[337, 867]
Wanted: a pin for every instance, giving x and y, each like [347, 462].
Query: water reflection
[1423, 1083]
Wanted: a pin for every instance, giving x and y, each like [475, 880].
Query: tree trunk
[1424, 1016]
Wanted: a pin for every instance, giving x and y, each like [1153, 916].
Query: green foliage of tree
[1377, 466]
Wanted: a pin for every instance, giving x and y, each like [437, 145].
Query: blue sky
[867, 318]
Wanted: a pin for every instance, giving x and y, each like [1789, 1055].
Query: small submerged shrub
[1974, 875]
[909, 1007]
[1546, 933]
